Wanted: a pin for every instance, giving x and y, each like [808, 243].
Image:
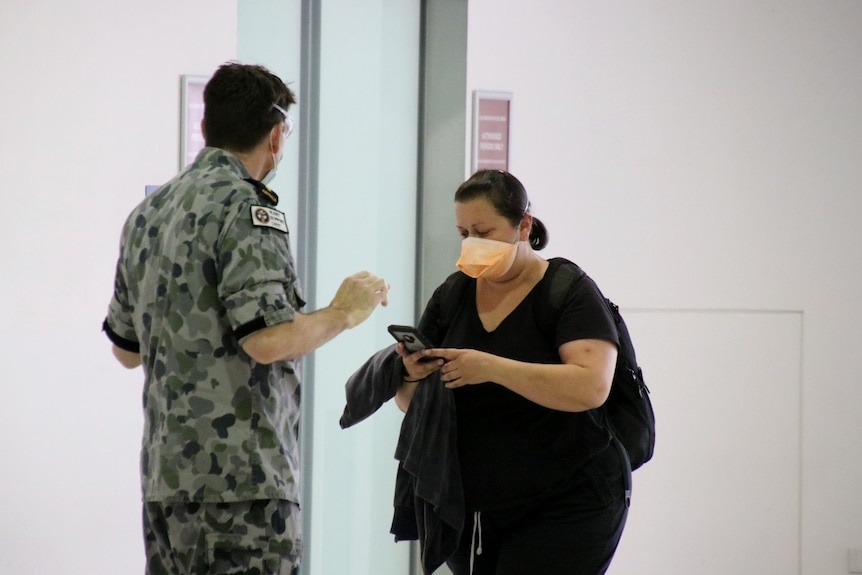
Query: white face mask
[489, 259]
[270, 175]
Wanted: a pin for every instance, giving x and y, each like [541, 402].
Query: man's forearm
[127, 359]
[294, 339]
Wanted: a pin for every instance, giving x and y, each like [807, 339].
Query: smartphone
[412, 339]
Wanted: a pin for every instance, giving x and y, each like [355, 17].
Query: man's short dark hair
[238, 111]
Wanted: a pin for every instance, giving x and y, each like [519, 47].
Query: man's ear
[203, 130]
[275, 139]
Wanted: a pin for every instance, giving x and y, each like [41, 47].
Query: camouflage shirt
[205, 261]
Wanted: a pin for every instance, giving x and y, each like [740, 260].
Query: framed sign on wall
[191, 114]
[491, 128]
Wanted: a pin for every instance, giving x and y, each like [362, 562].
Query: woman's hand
[415, 370]
[465, 366]
[419, 365]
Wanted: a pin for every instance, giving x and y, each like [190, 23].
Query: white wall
[706, 156]
[89, 109]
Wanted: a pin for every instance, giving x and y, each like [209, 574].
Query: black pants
[574, 531]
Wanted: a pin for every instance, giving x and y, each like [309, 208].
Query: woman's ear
[525, 227]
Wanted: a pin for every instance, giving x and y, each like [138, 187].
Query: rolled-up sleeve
[118, 324]
[257, 282]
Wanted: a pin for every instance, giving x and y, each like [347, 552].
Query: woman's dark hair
[238, 106]
[508, 196]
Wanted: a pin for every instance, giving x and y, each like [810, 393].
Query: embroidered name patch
[268, 217]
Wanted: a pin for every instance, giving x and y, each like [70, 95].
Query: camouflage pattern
[248, 538]
[193, 268]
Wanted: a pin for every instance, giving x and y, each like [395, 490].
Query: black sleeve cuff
[249, 328]
[122, 343]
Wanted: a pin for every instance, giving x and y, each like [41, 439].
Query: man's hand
[358, 295]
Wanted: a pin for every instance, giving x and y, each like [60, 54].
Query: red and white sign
[491, 122]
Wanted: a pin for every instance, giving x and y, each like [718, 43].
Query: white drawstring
[477, 526]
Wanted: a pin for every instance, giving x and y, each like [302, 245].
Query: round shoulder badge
[261, 216]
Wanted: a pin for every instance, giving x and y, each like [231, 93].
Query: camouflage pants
[247, 537]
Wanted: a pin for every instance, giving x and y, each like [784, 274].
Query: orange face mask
[487, 259]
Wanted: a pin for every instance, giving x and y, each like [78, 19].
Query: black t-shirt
[512, 450]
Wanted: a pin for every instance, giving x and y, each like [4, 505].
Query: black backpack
[628, 410]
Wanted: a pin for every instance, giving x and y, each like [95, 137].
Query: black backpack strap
[559, 279]
[449, 295]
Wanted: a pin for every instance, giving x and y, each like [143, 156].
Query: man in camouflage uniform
[206, 298]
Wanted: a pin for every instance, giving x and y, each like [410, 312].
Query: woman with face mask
[506, 465]
[544, 485]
